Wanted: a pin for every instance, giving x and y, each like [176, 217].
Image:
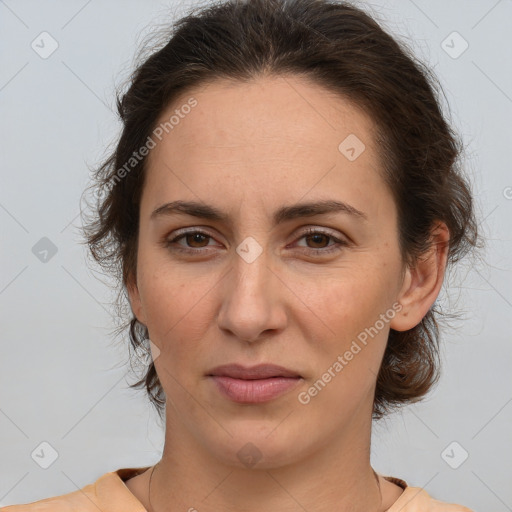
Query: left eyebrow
[285, 213]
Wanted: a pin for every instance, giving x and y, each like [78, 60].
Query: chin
[260, 447]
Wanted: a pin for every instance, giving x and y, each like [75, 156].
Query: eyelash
[339, 244]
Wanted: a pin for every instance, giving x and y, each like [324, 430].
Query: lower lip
[254, 391]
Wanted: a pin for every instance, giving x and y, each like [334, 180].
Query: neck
[335, 476]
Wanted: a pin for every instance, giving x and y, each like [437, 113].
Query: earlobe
[422, 283]
[135, 301]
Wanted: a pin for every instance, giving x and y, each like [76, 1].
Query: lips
[255, 384]
[262, 371]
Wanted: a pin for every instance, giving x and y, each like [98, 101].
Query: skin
[248, 149]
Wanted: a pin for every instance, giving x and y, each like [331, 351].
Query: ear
[423, 282]
[135, 300]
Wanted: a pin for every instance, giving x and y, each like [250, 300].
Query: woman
[281, 208]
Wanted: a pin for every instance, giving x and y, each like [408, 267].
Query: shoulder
[442, 506]
[78, 500]
[108, 494]
[416, 499]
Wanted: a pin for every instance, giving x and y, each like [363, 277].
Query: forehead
[257, 111]
[285, 135]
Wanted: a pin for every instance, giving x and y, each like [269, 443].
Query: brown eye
[196, 237]
[318, 242]
[317, 239]
[195, 241]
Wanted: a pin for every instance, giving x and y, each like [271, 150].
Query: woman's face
[254, 287]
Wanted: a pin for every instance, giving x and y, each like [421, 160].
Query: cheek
[349, 303]
[346, 300]
[181, 305]
[172, 302]
[349, 357]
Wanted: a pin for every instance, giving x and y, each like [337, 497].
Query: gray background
[62, 379]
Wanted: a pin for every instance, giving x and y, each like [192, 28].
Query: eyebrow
[285, 213]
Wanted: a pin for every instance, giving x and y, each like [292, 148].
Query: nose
[252, 300]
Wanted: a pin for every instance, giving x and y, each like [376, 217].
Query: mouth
[256, 384]
[261, 371]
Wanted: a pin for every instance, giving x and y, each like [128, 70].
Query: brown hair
[344, 50]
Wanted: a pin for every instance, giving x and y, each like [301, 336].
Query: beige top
[110, 494]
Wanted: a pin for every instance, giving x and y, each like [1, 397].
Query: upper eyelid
[181, 234]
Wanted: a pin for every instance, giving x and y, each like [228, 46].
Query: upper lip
[261, 371]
